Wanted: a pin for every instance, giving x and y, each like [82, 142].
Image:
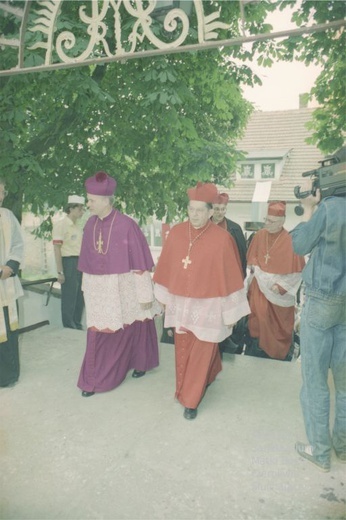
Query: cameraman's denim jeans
[323, 346]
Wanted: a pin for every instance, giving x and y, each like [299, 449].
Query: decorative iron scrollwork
[61, 33]
[61, 47]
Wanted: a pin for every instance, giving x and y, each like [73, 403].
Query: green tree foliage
[158, 125]
[327, 49]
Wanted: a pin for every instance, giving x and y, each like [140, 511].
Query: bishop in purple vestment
[120, 306]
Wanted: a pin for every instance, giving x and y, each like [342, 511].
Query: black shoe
[190, 413]
[87, 394]
[138, 373]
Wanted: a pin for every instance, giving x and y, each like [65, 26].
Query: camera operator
[322, 233]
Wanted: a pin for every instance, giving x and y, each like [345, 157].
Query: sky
[282, 82]
[281, 86]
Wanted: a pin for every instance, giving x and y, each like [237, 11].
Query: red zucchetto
[222, 198]
[204, 192]
[277, 208]
[101, 184]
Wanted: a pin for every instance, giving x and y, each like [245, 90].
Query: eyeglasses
[4, 193]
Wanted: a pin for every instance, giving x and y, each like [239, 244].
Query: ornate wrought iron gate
[112, 30]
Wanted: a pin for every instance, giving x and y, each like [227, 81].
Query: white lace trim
[207, 318]
[289, 282]
[113, 300]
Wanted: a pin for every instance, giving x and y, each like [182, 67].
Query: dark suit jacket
[235, 230]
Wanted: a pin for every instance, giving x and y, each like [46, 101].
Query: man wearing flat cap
[120, 306]
[67, 239]
[277, 274]
[202, 295]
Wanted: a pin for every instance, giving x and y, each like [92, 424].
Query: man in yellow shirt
[67, 239]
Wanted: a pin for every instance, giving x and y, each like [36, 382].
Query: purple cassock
[111, 249]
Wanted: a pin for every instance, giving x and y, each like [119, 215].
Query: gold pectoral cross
[99, 243]
[186, 261]
[267, 256]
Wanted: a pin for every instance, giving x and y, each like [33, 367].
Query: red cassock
[272, 324]
[212, 270]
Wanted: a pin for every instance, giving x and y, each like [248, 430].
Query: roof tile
[273, 131]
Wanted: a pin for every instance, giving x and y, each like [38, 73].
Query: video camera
[330, 178]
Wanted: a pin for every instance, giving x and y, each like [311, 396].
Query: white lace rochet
[207, 318]
[113, 300]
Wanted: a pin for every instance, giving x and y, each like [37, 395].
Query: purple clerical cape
[115, 245]
[124, 247]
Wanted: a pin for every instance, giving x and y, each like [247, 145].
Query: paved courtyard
[130, 454]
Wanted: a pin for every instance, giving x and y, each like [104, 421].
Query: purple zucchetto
[101, 184]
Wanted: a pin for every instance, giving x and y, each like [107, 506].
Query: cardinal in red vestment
[199, 280]
[276, 271]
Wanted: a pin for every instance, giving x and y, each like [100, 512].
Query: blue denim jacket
[324, 236]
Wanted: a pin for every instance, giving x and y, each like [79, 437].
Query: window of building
[262, 165]
[268, 170]
[247, 171]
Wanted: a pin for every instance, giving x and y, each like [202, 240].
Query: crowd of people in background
[215, 296]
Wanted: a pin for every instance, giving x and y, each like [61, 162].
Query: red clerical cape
[282, 259]
[209, 275]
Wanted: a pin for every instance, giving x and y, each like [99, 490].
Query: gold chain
[186, 261]
[267, 255]
[99, 243]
